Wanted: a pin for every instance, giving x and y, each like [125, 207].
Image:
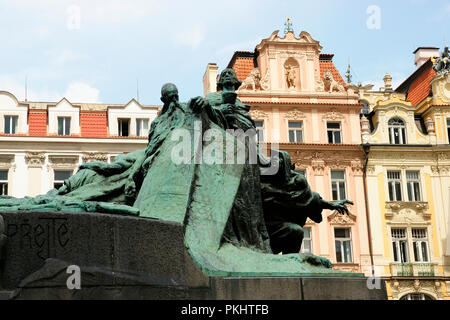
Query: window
[343, 244]
[64, 126]
[334, 132]
[259, 125]
[60, 176]
[141, 127]
[397, 133]
[124, 126]
[338, 185]
[3, 182]
[420, 245]
[400, 245]
[448, 130]
[295, 131]
[11, 124]
[413, 185]
[307, 241]
[416, 296]
[394, 186]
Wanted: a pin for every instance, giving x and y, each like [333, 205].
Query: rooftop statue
[203, 168]
[442, 63]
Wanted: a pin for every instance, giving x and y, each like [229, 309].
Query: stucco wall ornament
[94, 156]
[35, 159]
[258, 114]
[295, 114]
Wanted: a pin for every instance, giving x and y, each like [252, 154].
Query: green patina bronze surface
[234, 215]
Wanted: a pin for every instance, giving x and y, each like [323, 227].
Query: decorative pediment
[258, 115]
[6, 160]
[341, 219]
[295, 115]
[63, 161]
[333, 115]
[407, 211]
[94, 156]
[441, 87]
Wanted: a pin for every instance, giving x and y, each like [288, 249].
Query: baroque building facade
[301, 104]
[43, 143]
[406, 138]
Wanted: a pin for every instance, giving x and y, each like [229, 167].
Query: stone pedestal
[122, 257]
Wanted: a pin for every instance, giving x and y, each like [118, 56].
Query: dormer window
[11, 124]
[64, 126]
[124, 127]
[397, 131]
[141, 127]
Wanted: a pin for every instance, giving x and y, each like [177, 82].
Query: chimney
[422, 54]
[210, 78]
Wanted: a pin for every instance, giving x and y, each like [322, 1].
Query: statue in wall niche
[203, 168]
[290, 76]
[331, 85]
[442, 63]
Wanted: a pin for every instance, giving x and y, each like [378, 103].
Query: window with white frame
[334, 132]
[141, 127]
[397, 131]
[64, 126]
[11, 124]
[400, 245]
[60, 176]
[295, 131]
[413, 185]
[307, 241]
[343, 243]
[123, 127]
[420, 245]
[394, 185]
[338, 185]
[3, 182]
[259, 125]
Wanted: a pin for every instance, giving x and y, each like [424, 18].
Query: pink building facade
[301, 104]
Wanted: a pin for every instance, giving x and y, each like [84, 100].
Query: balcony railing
[414, 269]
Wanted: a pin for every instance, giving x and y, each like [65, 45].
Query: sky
[100, 51]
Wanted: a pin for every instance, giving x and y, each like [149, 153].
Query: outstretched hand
[197, 104]
[340, 206]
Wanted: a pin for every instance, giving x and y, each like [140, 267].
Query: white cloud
[82, 92]
[64, 56]
[98, 11]
[191, 37]
[76, 91]
[13, 85]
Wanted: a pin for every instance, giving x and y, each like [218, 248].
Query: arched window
[416, 296]
[397, 131]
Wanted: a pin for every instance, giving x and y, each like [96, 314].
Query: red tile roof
[94, 123]
[420, 88]
[329, 65]
[243, 67]
[37, 122]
